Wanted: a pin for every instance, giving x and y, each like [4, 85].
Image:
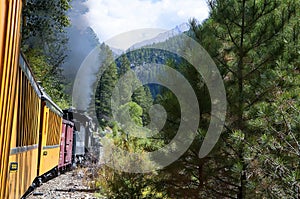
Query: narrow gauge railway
[37, 138]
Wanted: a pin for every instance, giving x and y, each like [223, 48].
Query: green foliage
[50, 81]
[116, 77]
[44, 44]
[134, 110]
[133, 103]
[43, 28]
[255, 45]
[116, 184]
[142, 96]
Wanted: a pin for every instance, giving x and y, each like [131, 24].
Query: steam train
[37, 138]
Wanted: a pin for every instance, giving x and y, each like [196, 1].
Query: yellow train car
[30, 123]
[10, 17]
[51, 131]
[23, 159]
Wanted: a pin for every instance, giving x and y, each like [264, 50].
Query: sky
[109, 18]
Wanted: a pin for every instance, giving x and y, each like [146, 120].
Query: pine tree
[106, 84]
[129, 89]
[142, 97]
[247, 44]
[126, 78]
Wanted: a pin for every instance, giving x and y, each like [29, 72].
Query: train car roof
[50, 104]
[29, 74]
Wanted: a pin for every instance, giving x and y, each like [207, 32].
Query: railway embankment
[77, 183]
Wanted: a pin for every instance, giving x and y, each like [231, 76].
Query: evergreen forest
[255, 45]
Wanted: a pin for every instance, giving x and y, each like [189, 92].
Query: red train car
[66, 142]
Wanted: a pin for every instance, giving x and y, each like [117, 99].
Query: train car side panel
[50, 140]
[69, 142]
[24, 143]
[62, 145]
[66, 145]
[25, 173]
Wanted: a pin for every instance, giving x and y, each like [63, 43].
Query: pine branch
[231, 37]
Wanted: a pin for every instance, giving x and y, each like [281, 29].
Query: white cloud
[111, 17]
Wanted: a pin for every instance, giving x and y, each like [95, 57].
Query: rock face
[72, 184]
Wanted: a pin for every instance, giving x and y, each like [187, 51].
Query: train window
[54, 129]
[28, 113]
